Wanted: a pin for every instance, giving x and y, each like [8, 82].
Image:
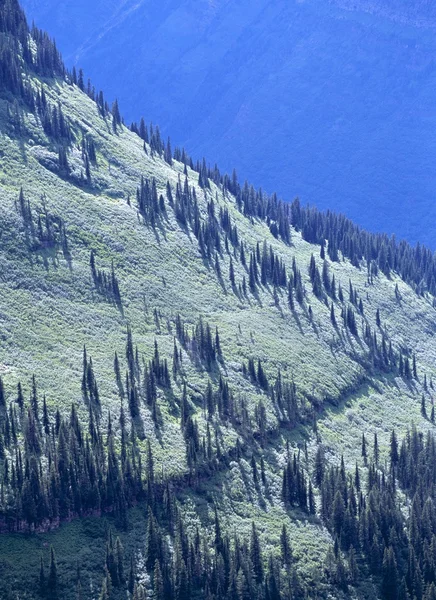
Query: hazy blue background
[331, 101]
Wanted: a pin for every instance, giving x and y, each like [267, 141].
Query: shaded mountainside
[332, 101]
[199, 383]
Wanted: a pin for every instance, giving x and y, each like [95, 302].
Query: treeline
[416, 266]
[337, 234]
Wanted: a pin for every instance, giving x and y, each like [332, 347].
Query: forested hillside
[205, 392]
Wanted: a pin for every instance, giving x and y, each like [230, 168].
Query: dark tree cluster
[417, 266]
[151, 207]
[284, 399]
[182, 156]
[90, 393]
[349, 319]
[25, 52]
[203, 180]
[201, 342]
[43, 230]
[272, 267]
[182, 566]
[52, 119]
[295, 286]
[89, 155]
[186, 206]
[223, 402]
[230, 230]
[215, 233]
[283, 395]
[315, 278]
[296, 491]
[398, 549]
[381, 354]
[15, 47]
[209, 234]
[142, 380]
[254, 203]
[102, 104]
[105, 283]
[64, 469]
[256, 372]
[152, 136]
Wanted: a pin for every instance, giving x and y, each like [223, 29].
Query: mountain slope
[290, 93]
[109, 242]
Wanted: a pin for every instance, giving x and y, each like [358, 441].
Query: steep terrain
[188, 367]
[331, 101]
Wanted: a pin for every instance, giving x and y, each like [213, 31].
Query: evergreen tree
[34, 400]
[423, 407]
[256, 554]
[116, 116]
[376, 452]
[232, 273]
[52, 579]
[42, 578]
[389, 575]
[158, 583]
[285, 547]
[364, 451]
[393, 453]
[20, 397]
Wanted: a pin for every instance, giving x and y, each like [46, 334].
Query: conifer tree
[423, 407]
[34, 400]
[376, 452]
[389, 575]
[394, 457]
[116, 116]
[2, 398]
[285, 547]
[232, 273]
[52, 579]
[42, 578]
[332, 315]
[364, 451]
[20, 397]
[256, 554]
[158, 583]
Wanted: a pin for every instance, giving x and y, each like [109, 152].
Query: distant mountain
[333, 101]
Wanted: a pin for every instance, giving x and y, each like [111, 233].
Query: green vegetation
[188, 367]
